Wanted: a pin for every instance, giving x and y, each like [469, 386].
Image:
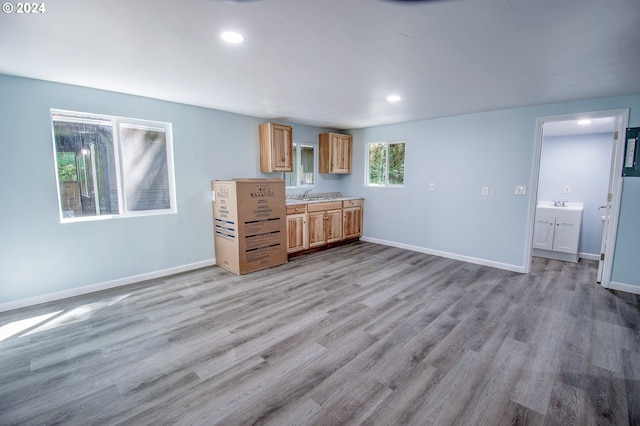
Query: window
[112, 166]
[385, 164]
[303, 174]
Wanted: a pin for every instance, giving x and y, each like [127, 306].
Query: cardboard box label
[256, 227]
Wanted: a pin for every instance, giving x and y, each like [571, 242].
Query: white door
[621, 117]
[607, 207]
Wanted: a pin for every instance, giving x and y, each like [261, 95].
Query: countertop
[320, 199]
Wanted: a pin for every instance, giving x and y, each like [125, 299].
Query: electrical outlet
[485, 190]
[567, 189]
[521, 190]
[432, 187]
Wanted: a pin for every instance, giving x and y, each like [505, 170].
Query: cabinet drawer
[318, 207]
[353, 203]
[298, 208]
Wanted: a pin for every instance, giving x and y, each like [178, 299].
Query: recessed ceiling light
[232, 37]
[584, 122]
[393, 98]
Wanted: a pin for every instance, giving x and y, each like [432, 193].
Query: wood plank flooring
[359, 334]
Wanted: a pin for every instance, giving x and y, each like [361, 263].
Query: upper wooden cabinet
[276, 148]
[335, 153]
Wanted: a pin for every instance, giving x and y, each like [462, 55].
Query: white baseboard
[475, 260]
[589, 256]
[629, 288]
[49, 297]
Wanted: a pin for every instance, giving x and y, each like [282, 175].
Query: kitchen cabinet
[335, 152]
[297, 228]
[556, 233]
[276, 148]
[325, 223]
[317, 225]
[352, 219]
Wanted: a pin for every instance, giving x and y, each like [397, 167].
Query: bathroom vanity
[556, 233]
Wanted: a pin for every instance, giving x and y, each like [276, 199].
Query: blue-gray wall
[626, 262]
[462, 154]
[582, 161]
[38, 255]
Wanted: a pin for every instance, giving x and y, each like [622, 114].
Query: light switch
[432, 187]
[485, 190]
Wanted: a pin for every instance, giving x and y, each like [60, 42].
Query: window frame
[386, 183]
[296, 162]
[115, 122]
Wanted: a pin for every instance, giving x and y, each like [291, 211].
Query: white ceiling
[333, 62]
[574, 127]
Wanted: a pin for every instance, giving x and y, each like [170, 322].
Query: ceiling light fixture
[393, 98]
[232, 37]
[584, 122]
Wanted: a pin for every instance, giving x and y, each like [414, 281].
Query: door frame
[621, 123]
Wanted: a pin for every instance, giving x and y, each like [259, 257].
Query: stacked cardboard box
[250, 228]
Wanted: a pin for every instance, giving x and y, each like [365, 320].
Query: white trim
[629, 288]
[622, 122]
[386, 183]
[79, 291]
[589, 256]
[117, 123]
[448, 255]
[622, 119]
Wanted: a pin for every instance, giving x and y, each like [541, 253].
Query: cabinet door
[316, 229]
[340, 153]
[282, 149]
[567, 235]
[352, 222]
[334, 153]
[543, 232]
[276, 148]
[296, 233]
[333, 226]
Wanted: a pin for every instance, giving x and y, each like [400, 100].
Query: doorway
[614, 121]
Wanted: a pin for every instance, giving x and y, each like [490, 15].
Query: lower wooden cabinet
[297, 228]
[325, 223]
[318, 224]
[352, 219]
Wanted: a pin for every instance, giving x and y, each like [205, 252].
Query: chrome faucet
[306, 194]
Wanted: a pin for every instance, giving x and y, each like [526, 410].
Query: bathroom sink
[565, 206]
[570, 210]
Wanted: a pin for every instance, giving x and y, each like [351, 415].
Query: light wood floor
[359, 334]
